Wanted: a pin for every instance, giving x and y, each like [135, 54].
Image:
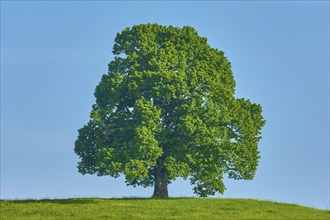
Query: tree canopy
[166, 109]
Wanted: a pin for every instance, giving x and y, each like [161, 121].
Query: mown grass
[139, 208]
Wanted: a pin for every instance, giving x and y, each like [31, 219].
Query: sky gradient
[54, 53]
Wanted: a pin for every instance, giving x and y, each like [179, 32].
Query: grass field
[140, 208]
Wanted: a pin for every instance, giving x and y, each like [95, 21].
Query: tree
[166, 109]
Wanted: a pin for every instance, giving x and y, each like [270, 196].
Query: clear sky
[54, 53]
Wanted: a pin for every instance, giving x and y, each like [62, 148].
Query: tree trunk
[161, 181]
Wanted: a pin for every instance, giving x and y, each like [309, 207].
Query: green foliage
[168, 103]
[138, 208]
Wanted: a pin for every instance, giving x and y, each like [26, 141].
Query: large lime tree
[166, 109]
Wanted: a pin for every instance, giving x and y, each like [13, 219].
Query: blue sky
[54, 53]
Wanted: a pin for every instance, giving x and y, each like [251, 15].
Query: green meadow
[147, 208]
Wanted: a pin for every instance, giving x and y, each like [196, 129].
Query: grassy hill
[139, 208]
